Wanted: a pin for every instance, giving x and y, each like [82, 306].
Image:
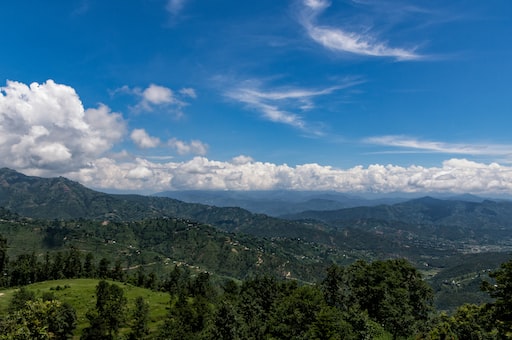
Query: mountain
[419, 226]
[60, 198]
[461, 225]
[437, 235]
[276, 202]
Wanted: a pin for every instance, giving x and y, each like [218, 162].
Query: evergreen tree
[89, 269]
[72, 264]
[140, 318]
[103, 268]
[501, 291]
[4, 261]
[227, 323]
[109, 314]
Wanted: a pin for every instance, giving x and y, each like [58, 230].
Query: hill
[81, 294]
[60, 198]
[450, 224]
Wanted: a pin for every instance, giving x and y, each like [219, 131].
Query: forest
[381, 299]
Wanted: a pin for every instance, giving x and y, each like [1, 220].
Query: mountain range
[449, 238]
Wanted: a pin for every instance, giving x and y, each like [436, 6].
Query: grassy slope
[81, 295]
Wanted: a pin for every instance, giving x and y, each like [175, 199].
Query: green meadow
[81, 294]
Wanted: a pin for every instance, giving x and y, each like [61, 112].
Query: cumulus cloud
[341, 40]
[243, 173]
[157, 97]
[45, 126]
[155, 94]
[195, 147]
[143, 140]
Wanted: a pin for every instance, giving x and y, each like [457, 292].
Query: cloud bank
[243, 173]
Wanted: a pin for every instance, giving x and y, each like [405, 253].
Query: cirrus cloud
[413, 144]
[346, 41]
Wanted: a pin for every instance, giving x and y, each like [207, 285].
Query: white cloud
[195, 147]
[189, 92]
[341, 40]
[143, 140]
[175, 6]
[157, 97]
[274, 103]
[45, 126]
[243, 173]
[317, 5]
[410, 143]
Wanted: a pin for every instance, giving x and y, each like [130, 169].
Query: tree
[20, 298]
[227, 323]
[140, 318]
[39, 320]
[392, 293]
[57, 266]
[62, 320]
[256, 299]
[109, 314]
[188, 319]
[293, 314]
[24, 270]
[89, 269]
[72, 264]
[334, 287]
[117, 272]
[330, 324]
[4, 261]
[502, 292]
[103, 268]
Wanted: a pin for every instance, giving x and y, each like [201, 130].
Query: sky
[359, 96]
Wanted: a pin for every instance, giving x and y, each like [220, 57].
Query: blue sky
[345, 95]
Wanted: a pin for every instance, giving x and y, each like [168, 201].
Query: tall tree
[4, 261]
[109, 315]
[72, 264]
[140, 319]
[89, 269]
[103, 268]
[502, 292]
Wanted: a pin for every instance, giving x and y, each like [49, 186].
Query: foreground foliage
[377, 300]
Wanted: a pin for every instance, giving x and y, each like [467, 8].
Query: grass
[81, 294]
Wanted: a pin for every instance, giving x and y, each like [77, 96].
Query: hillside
[60, 198]
[81, 294]
[450, 224]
